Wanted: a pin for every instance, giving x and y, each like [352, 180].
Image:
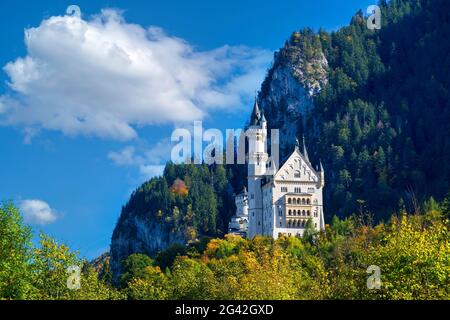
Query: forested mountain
[374, 107]
[187, 202]
[381, 122]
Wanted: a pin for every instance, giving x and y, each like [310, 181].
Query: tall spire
[256, 114]
[263, 118]
[305, 152]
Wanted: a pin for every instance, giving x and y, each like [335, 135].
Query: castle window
[298, 201]
[284, 189]
[303, 201]
[289, 201]
[290, 212]
[308, 213]
[308, 201]
[303, 213]
[298, 190]
[295, 212]
[297, 174]
[280, 223]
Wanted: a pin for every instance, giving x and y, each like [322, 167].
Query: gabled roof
[285, 166]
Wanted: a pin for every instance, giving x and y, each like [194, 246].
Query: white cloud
[37, 212]
[150, 171]
[124, 157]
[147, 160]
[105, 77]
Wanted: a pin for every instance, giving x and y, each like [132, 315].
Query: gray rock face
[288, 91]
[136, 234]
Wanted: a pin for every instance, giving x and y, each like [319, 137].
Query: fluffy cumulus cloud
[37, 212]
[103, 76]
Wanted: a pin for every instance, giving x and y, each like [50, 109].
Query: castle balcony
[298, 199]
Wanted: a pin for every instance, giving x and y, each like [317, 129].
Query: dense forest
[412, 253]
[196, 200]
[382, 123]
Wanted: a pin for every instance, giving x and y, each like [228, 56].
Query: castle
[279, 202]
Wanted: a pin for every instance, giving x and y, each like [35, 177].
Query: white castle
[279, 202]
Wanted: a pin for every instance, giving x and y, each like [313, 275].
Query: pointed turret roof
[297, 144]
[305, 152]
[263, 118]
[256, 114]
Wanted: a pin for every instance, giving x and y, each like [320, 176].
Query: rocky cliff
[136, 234]
[299, 72]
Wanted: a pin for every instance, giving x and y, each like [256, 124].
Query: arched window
[298, 201]
[290, 212]
[289, 200]
[308, 213]
[303, 201]
[308, 201]
[303, 223]
[303, 213]
[298, 224]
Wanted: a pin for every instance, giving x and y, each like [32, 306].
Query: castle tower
[239, 222]
[241, 201]
[257, 166]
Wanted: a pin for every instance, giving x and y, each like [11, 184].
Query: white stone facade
[281, 202]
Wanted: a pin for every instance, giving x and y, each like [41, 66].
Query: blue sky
[87, 107]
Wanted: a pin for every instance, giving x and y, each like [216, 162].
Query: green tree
[15, 254]
[134, 267]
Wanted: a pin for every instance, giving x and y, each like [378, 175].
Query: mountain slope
[379, 120]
